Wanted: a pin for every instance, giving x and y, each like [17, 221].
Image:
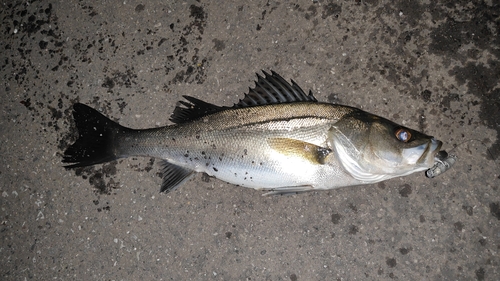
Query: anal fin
[173, 176]
[314, 153]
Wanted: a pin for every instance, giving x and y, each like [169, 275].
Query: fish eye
[403, 134]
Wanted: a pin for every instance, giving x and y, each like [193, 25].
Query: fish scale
[238, 154]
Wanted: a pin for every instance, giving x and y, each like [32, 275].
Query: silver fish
[276, 138]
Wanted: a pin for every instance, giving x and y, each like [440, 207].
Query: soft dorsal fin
[194, 109]
[273, 89]
[270, 89]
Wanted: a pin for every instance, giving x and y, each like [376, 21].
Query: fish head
[372, 148]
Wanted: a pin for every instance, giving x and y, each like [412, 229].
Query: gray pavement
[430, 65]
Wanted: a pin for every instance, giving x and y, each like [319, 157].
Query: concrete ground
[431, 65]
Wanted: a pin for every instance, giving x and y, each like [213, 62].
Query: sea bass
[276, 138]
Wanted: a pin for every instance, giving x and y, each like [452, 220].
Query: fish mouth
[423, 156]
[431, 153]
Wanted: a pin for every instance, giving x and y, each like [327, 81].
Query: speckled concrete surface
[431, 65]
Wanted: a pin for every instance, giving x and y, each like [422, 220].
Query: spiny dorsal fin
[271, 89]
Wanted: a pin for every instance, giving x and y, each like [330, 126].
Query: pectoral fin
[314, 153]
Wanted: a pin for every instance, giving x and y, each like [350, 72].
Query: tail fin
[96, 135]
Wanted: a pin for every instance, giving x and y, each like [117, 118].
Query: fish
[276, 138]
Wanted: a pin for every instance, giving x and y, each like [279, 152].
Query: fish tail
[96, 138]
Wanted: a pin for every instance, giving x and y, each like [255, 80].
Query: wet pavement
[430, 66]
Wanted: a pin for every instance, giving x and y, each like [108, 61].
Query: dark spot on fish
[186, 155]
[391, 262]
[228, 235]
[220, 158]
[197, 137]
[173, 139]
[215, 169]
